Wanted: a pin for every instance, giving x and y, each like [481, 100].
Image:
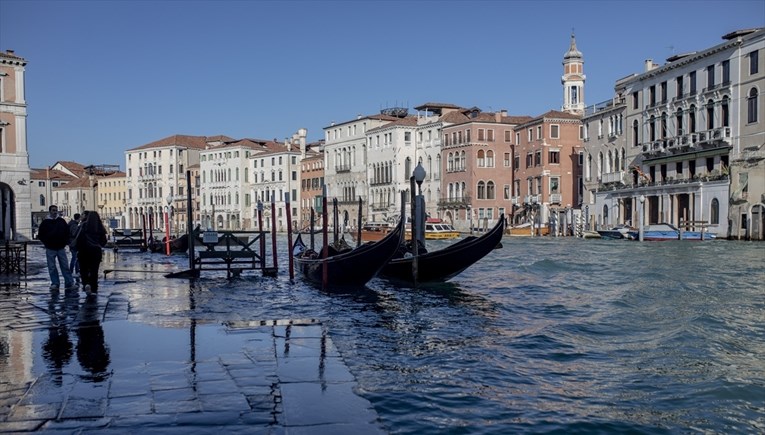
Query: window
[751, 106]
[42, 200]
[538, 158]
[480, 134]
[554, 157]
[714, 212]
[554, 185]
[679, 122]
[726, 71]
[539, 132]
[635, 100]
[481, 190]
[664, 92]
[692, 119]
[710, 76]
[490, 135]
[529, 160]
[490, 190]
[506, 192]
[506, 160]
[481, 160]
[508, 136]
[652, 96]
[679, 87]
[516, 161]
[754, 67]
[663, 125]
[531, 137]
[490, 159]
[635, 133]
[710, 115]
[517, 138]
[692, 80]
[725, 112]
[554, 131]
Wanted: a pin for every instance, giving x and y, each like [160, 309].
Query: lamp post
[418, 176]
[169, 200]
[641, 217]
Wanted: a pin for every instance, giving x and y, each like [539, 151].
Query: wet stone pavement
[58, 374]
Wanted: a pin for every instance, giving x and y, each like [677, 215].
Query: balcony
[515, 200]
[380, 206]
[555, 198]
[454, 202]
[342, 168]
[612, 177]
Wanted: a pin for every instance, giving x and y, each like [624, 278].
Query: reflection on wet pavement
[139, 357]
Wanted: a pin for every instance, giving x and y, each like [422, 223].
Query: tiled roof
[77, 169]
[117, 174]
[179, 140]
[454, 118]
[77, 183]
[552, 114]
[49, 174]
[378, 117]
[409, 121]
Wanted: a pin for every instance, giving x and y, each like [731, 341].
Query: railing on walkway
[237, 251]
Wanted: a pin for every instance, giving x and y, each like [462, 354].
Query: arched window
[490, 190]
[462, 160]
[652, 128]
[710, 115]
[481, 190]
[42, 200]
[408, 167]
[726, 111]
[489, 159]
[635, 131]
[664, 131]
[679, 122]
[481, 159]
[714, 212]
[605, 215]
[751, 106]
[692, 119]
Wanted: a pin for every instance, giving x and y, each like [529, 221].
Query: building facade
[153, 176]
[311, 185]
[692, 139]
[15, 188]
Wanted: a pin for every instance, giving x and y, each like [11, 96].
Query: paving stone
[231, 401]
[130, 405]
[44, 411]
[176, 407]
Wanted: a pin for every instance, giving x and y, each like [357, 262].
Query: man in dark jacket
[54, 234]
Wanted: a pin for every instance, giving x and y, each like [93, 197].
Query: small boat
[444, 264]
[666, 231]
[436, 229]
[619, 232]
[524, 230]
[350, 267]
[179, 244]
[372, 231]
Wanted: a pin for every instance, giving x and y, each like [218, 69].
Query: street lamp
[641, 217]
[418, 176]
[169, 217]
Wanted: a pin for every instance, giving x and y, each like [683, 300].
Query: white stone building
[15, 189]
[687, 127]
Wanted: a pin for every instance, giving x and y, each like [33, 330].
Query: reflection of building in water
[16, 357]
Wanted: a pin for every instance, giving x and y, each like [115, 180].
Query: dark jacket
[74, 227]
[54, 233]
[90, 239]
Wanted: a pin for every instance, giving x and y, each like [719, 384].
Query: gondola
[444, 264]
[352, 267]
[180, 244]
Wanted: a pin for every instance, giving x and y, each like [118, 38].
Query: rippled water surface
[544, 335]
[561, 335]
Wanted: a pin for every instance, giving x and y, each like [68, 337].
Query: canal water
[544, 335]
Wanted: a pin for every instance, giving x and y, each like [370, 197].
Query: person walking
[90, 240]
[74, 265]
[54, 234]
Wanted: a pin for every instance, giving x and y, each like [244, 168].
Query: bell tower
[573, 80]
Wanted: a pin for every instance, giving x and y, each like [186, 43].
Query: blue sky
[107, 76]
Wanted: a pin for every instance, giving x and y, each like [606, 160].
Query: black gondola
[177, 245]
[444, 264]
[354, 267]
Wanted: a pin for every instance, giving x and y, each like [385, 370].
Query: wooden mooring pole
[289, 234]
[273, 228]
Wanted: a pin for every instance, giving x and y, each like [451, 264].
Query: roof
[49, 174]
[117, 174]
[10, 56]
[378, 117]
[77, 183]
[432, 105]
[77, 169]
[409, 121]
[178, 140]
[552, 114]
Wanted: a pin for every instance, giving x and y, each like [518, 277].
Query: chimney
[503, 112]
[9, 51]
[649, 65]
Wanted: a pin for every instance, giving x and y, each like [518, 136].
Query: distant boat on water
[665, 231]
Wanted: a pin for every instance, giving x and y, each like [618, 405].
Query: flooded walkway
[133, 358]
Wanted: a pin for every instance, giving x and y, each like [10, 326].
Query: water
[544, 335]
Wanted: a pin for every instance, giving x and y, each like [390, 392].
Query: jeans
[53, 255]
[74, 265]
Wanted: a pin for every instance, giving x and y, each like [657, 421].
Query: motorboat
[666, 231]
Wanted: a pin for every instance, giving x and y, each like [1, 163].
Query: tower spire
[573, 79]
